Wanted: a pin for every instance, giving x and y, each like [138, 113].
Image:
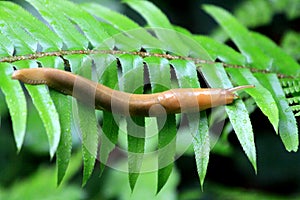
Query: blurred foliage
[254, 13]
[41, 184]
[145, 188]
[291, 44]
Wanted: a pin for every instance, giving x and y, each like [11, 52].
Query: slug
[181, 100]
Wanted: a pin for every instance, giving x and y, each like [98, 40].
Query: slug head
[29, 76]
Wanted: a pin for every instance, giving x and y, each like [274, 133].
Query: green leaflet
[118, 20]
[64, 109]
[196, 48]
[237, 113]
[166, 148]
[6, 47]
[122, 40]
[136, 144]
[123, 24]
[60, 24]
[48, 40]
[108, 139]
[132, 81]
[288, 129]
[263, 98]
[240, 36]
[261, 56]
[198, 124]
[201, 143]
[281, 62]
[107, 75]
[159, 73]
[152, 14]
[186, 73]
[89, 134]
[16, 103]
[87, 122]
[160, 79]
[63, 153]
[22, 41]
[220, 51]
[47, 111]
[85, 115]
[132, 71]
[91, 28]
[160, 25]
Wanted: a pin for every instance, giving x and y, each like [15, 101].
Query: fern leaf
[107, 73]
[294, 100]
[220, 51]
[48, 40]
[160, 25]
[160, 80]
[198, 123]
[16, 103]
[61, 25]
[133, 82]
[63, 106]
[261, 95]
[88, 125]
[281, 62]
[124, 24]
[241, 37]
[288, 130]
[237, 114]
[23, 42]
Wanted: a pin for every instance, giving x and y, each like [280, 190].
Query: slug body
[181, 100]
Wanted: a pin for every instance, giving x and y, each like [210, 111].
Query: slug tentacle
[242, 87]
[182, 100]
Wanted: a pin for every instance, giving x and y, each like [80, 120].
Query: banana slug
[184, 100]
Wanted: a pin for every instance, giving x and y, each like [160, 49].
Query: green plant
[79, 40]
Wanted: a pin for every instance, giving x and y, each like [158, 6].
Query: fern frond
[106, 46]
[294, 100]
[290, 86]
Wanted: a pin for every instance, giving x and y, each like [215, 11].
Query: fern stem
[197, 61]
